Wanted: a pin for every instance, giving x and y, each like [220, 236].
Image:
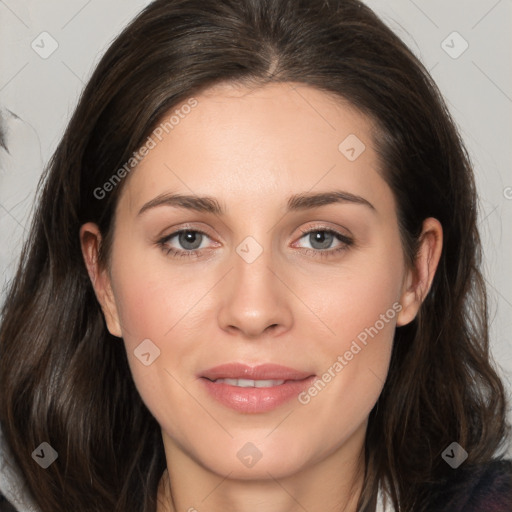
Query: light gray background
[477, 85]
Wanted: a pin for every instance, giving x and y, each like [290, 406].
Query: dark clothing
[484, 488]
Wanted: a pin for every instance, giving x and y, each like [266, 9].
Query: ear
[90, 242]
[418, 280]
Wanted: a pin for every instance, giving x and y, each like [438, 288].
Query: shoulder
[478, 488]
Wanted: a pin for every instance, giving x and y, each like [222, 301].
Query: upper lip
[260, 372]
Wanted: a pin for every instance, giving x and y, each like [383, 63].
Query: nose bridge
[252, 265]
[253, 278]
[255, 299]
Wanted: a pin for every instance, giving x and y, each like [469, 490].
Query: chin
[245, 460]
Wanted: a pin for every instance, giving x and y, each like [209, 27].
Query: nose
[255, 298]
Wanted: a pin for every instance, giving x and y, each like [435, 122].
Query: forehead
[252, 146]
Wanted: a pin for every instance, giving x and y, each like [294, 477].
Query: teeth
[248, 383]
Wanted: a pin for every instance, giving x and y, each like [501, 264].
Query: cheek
[158, 301]
[359, 304]
[152, 312]
[151, 294]
[359, 295]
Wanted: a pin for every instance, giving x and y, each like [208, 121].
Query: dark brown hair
[65, 380]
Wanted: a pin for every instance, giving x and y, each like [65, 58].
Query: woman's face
[301, 267]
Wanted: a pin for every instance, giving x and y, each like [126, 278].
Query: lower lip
[254, 400]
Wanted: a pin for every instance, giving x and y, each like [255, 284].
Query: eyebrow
[296, 202]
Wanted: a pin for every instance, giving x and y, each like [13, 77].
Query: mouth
[254, 389]
[248, 383]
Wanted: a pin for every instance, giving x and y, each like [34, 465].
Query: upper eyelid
[182, 230]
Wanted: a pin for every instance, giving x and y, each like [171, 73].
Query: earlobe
[418, 280]
[90, 242]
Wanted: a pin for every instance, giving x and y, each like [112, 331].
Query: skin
[251, 149]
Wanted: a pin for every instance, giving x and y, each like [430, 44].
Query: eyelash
[177, 253]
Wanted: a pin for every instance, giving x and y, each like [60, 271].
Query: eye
[190, 239]
[321, 240]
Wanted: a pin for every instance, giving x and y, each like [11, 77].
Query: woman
[250, 372]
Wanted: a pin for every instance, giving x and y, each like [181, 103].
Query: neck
[332, 484]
